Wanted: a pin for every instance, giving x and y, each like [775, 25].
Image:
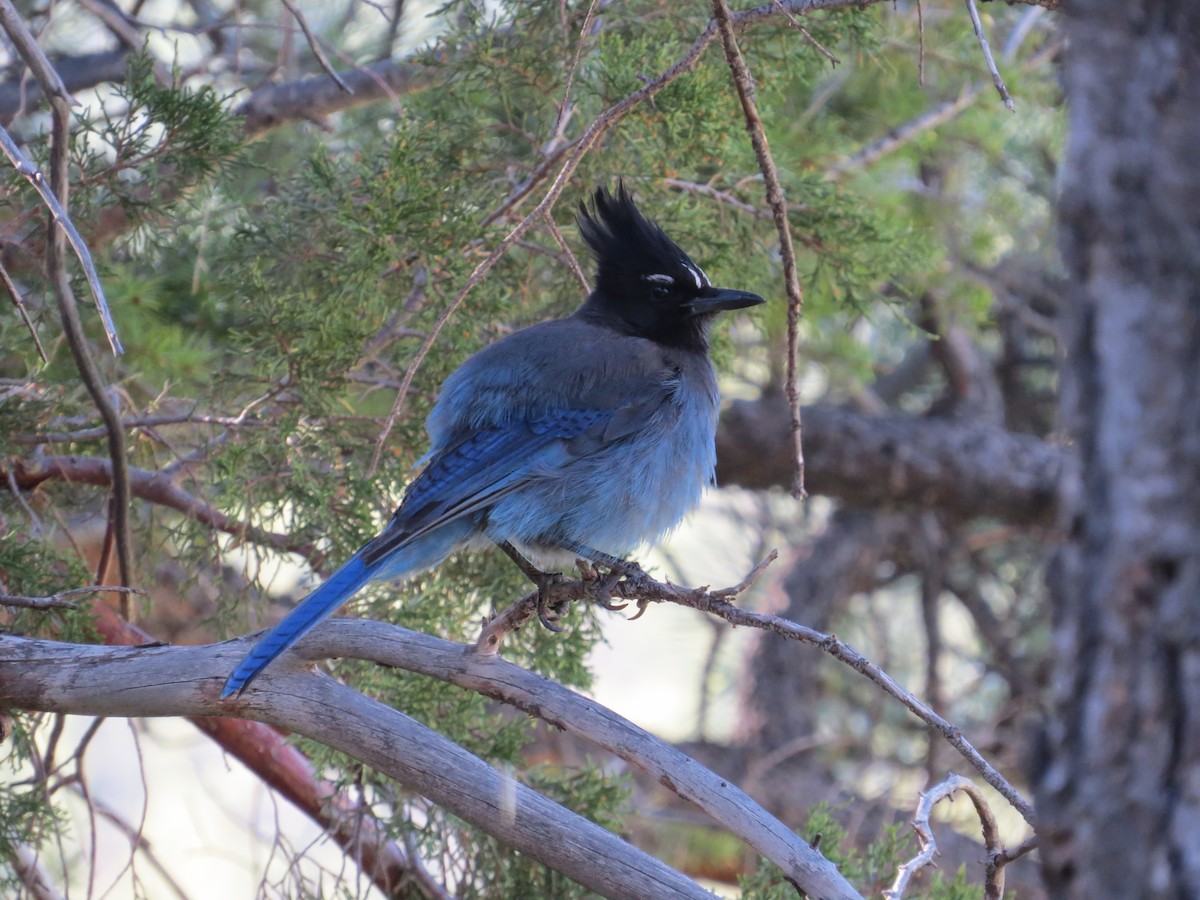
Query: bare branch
[795, 23]
[155, 487]
[315, 46]
[744, 82]
[174, 681]
[15, 293]
[642, 589]
[314, 96]
[962, 469]
[905, 132]
[59, 601]
[994, 883]
[576, 269]
[987, 56]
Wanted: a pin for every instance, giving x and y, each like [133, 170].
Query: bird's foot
[598, 585]
[545, 582]
[546, 604]
[602, 586]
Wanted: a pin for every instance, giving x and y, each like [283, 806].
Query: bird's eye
[660, 291]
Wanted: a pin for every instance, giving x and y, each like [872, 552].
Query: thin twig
[932, 118]
[744, 82]
[795, 23]
[315, 46]
[921, 44]
[987, 55]
[59, 215]
[641, 588]
[140, 844]
[50, 602]
[59, 601]
[56, 269]
[53, 88]
[15, 293]
[994, 883]
[564, 108]
[92, 434]
[905, 132]
[559, 239]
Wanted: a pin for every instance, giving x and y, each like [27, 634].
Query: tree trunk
[1119, 779]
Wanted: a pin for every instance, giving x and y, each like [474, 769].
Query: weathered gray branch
[161, 681]
[959, 468]
[78, 73]
[319, 95]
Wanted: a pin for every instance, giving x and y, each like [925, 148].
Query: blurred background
[276, 247]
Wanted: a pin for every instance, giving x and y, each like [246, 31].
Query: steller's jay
[578, 438]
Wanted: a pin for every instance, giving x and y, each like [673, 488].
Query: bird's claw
[545, 606]
[642, 606]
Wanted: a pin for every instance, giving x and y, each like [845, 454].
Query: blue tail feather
[321, 603]
[404, 560]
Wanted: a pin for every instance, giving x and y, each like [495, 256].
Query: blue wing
[472, 474]
[434, 517]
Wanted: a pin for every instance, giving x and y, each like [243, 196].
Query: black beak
[714, 300]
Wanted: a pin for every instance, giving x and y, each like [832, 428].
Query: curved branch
[286, 770]
[173, 681]
[155, 487]
[493, 677]
[640, 587]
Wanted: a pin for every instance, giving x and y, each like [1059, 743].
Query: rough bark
[1119, 781]
[961, 469]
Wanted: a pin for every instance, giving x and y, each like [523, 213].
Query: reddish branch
[283, 768]
[154, 487]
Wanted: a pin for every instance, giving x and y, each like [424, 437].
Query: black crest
[622, 240]
[645, 284]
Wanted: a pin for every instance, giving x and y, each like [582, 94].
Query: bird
[579, 438]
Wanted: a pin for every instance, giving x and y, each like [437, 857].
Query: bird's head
[645, 284]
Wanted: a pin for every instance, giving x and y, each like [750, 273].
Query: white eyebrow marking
[701, 278]
[659, 279]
